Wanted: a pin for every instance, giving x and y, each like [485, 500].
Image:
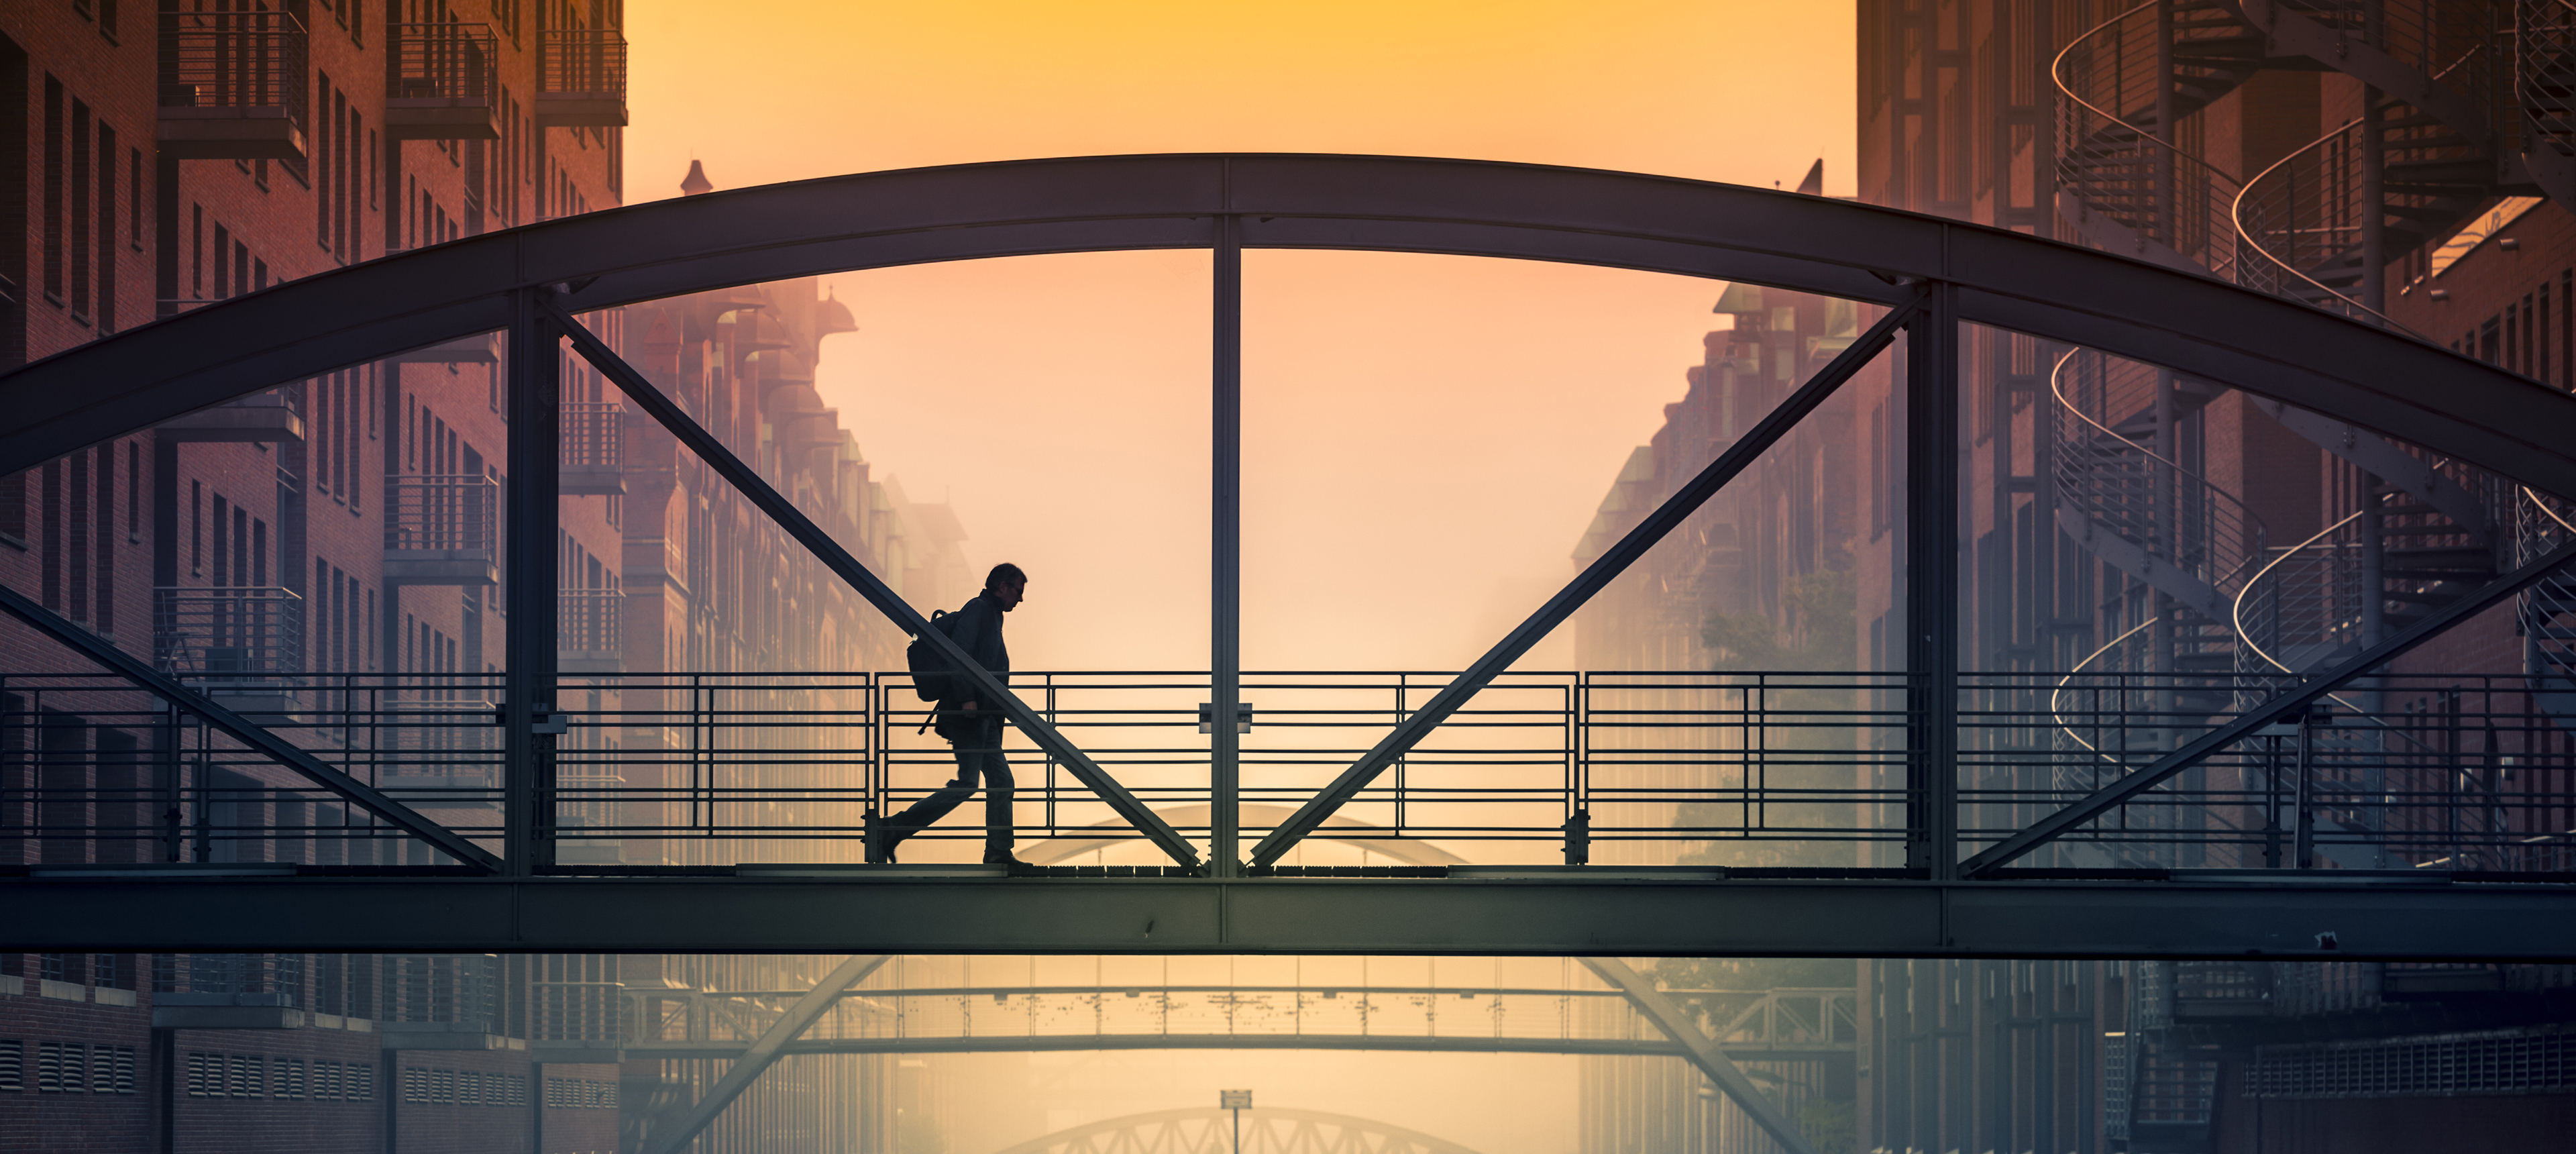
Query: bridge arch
[1266, 1130]
[2290, 352]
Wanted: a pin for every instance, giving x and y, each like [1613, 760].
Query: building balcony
[588, 631]
[581, 79]
[443, 82]
[587, 1015]
[594, 447]
[441, 530]
[442, 1002]
[267, 418]
[232, 86]
[227, 632]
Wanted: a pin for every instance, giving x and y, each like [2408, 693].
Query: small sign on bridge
[1234, 1099]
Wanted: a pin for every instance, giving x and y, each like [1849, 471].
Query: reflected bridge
[1265, 1130]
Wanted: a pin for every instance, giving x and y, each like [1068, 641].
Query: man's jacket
[977, 629]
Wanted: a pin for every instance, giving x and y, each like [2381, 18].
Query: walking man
[974, 727]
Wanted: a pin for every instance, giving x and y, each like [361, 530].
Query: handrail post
[528, 693]
[1932, 584]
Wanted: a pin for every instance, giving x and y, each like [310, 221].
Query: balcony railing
[594, 433]
[441, 531]
[441, 82]
[594, 447]
[460, 992]
[228, 631]
[577, 1011]
[581, 78]
[440, 513]
[587, 624]
[232, 83]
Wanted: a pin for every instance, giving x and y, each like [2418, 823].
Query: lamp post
[1237, 1101]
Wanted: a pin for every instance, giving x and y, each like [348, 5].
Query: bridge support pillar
[1932, 585]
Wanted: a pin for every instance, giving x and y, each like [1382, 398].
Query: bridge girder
[2225, 917]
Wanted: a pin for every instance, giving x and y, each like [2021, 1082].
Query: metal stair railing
[2301, 219]
[2303, 606]
[2544, 92]
[2123, 184]
[2192, 538]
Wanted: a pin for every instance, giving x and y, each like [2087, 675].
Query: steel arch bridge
[1266, 1130]
[1951, 896]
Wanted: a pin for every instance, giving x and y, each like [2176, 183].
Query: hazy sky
[1425, 437]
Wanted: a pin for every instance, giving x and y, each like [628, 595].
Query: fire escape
[2420, 531]
[2463, 103]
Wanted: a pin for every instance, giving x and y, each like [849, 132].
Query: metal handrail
[779, 767]
[2231, 522]
[443, 60]
[232, 59]
[588, 61]
[2251, 583]
[2557, 128]
[2238, 212]
[2057, 697]
[2075, 152]
[435, 512]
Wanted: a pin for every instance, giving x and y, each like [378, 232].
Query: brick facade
[329, 545]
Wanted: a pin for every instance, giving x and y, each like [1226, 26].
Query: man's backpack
[930, 671]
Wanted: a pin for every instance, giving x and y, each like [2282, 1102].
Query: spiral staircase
[2474, 101]
[2449, 80]
[2123, 184]
[2449, 73]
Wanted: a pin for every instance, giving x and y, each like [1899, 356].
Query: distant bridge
[1266, 1130]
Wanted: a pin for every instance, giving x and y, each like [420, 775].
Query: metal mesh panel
[2443, 1065]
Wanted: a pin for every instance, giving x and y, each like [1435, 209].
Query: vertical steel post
[530, 524]
[2303, 837]
[2374, 200]
[1932, 585]
[2164, 532]
[2167, 174]
[1225, 563]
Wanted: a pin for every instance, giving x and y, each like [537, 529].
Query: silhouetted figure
[973, 727]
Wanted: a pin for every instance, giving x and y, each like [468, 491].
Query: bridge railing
[1747, 771]
[1535, 1004]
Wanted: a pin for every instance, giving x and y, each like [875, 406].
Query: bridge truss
[2048, 864]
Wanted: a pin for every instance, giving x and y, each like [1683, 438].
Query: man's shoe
[1003, 857]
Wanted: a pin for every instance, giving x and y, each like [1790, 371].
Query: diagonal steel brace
[2280, 707]
[248, 732]
[1604, 569]
[763, 1053]
[1704, 1052]
[988, 688]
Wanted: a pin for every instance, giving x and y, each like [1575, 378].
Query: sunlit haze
[1425, 438]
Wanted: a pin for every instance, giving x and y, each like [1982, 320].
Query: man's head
[1006, 585]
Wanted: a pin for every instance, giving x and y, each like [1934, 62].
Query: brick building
[2399, 163]
[328, 550]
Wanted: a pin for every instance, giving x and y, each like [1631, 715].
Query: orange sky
[1425, 437]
